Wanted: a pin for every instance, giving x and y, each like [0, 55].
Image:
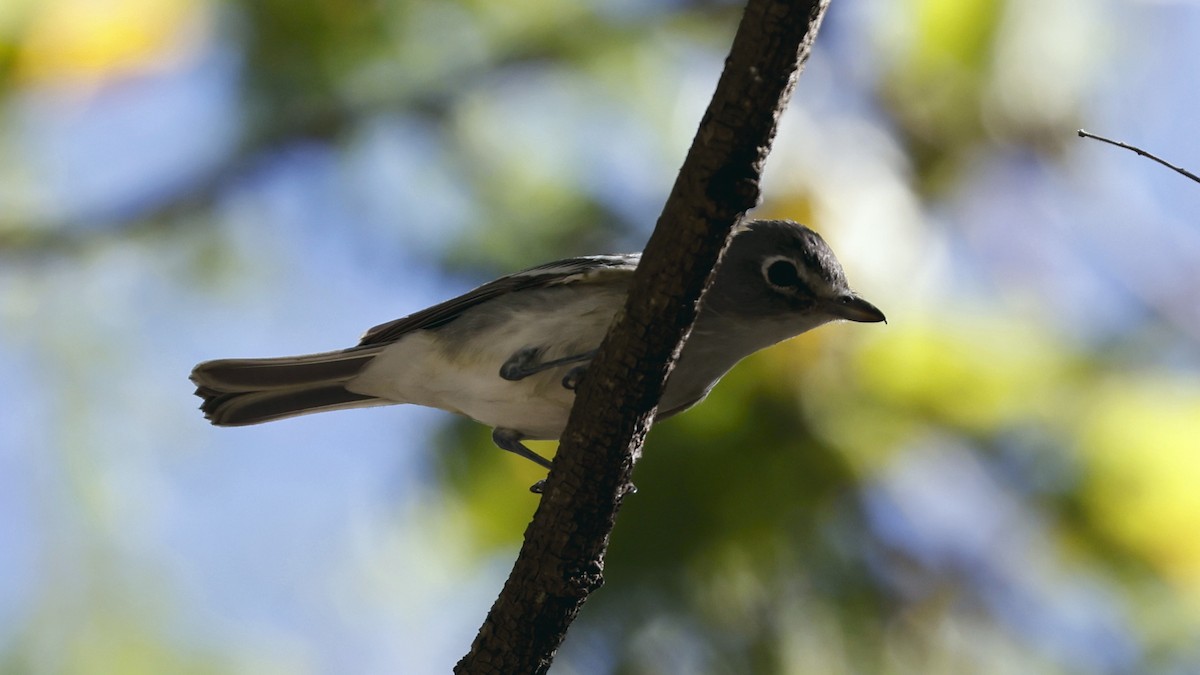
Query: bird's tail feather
[237, 392]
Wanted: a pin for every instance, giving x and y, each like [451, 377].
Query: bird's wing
[560, 272]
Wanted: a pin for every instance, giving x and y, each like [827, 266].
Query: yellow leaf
[86, 40]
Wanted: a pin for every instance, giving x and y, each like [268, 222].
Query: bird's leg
[510, 440]
[524, 362]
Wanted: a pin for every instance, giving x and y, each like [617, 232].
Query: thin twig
[1143, 153]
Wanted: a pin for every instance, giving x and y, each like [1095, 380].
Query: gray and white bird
[509, 353]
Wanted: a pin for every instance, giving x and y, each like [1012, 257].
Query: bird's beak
[853, 308]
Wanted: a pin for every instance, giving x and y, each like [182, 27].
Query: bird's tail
[237, 392]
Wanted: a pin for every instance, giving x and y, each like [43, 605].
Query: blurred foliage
[997, 482]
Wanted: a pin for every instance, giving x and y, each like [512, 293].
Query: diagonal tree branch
[562, 559]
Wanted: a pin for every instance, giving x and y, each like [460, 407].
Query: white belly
[457, 368]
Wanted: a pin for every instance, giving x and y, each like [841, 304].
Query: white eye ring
[785, 275]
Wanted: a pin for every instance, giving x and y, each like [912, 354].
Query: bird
[510, 353]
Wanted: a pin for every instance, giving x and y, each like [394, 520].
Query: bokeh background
[1003, 479]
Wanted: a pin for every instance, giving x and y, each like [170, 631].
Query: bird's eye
[783, 274]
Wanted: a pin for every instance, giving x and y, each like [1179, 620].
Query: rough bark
[562, 559]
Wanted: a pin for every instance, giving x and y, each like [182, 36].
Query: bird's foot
[525, 362]
[574, 376]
